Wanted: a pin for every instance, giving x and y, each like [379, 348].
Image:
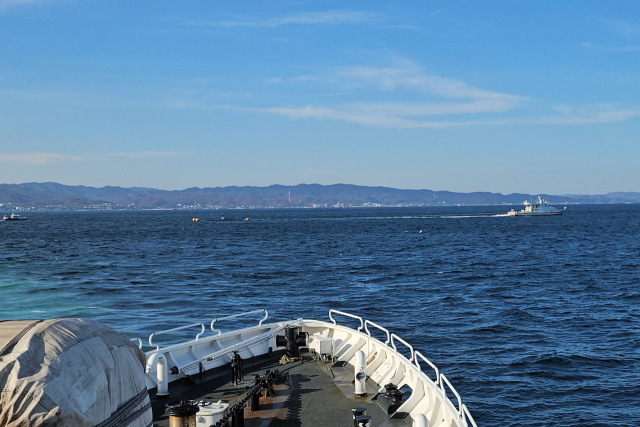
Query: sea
[535, 321]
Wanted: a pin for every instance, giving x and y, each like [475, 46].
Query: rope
[123, 416]
[286, 359]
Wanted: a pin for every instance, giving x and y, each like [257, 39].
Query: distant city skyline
[508, 97]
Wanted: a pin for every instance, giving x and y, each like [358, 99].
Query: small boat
[539, 208]
[13, 217]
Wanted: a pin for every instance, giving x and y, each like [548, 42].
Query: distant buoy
[195, 219]
[420, 231]
[247, 219]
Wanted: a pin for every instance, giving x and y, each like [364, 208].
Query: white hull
[385, 362]
[541, 208]
[539, 213]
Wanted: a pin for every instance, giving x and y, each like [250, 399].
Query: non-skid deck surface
[319, 395]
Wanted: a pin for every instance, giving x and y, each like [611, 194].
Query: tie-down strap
[126, 415]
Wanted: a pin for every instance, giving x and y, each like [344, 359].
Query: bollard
[238, 416]
[182, 413]
[363, 421]
[254, 402]
[356, 412]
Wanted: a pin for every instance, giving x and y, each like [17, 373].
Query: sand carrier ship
[302, 372]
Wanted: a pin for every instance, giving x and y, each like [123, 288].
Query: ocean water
[535, 321]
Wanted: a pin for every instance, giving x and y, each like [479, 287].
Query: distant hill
[57, 196]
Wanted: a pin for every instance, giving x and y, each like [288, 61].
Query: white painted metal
[409, 346]
[210, 414]
[444, 380]
[162, 375]
[262, 310]
[435, 368]
[383, 362]
[359, 375]
[347, 315]
[166, 331]
[321, 345]
[420, 421]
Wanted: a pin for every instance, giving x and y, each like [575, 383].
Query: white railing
[444, 380]
[440, 380]
[346, 315]
[393, 344]
[468, 415]
[266, 315]
[139, 342]
[166, 331]
[368, 322]
[435, 368]
[242, 345]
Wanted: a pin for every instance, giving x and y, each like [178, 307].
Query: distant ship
[539, 208]
[13, 217]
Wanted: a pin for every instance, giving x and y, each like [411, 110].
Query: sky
[502, 96]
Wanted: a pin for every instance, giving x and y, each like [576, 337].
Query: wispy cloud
[610, 49]
[302, 78]
[444, 9]
[458, 100]
[143, 154]
[38, 158]
[50, 158]
[589, 114]
[369, 118]
[407, 115]
[408, 75]
[330, 17]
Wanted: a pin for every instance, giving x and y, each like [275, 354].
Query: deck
[319, 395]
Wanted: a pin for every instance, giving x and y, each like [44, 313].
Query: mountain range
[52, 195]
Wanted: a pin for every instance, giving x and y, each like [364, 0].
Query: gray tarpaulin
[69, 372]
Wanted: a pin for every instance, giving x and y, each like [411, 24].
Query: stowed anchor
[237, 369]
[391, 400]
[292, 341]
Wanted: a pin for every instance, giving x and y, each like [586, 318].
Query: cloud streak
[369, 119]
[589, 114]
[330, 17]
[459, 99]
[145, 154]
[409, 75]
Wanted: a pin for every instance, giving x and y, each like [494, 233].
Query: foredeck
[317, 395]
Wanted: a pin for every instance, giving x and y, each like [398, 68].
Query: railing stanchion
[266, 315]
[347, 315]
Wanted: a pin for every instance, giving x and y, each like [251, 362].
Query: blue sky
[505, 96]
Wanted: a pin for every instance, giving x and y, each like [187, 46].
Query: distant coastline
[54, 196]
